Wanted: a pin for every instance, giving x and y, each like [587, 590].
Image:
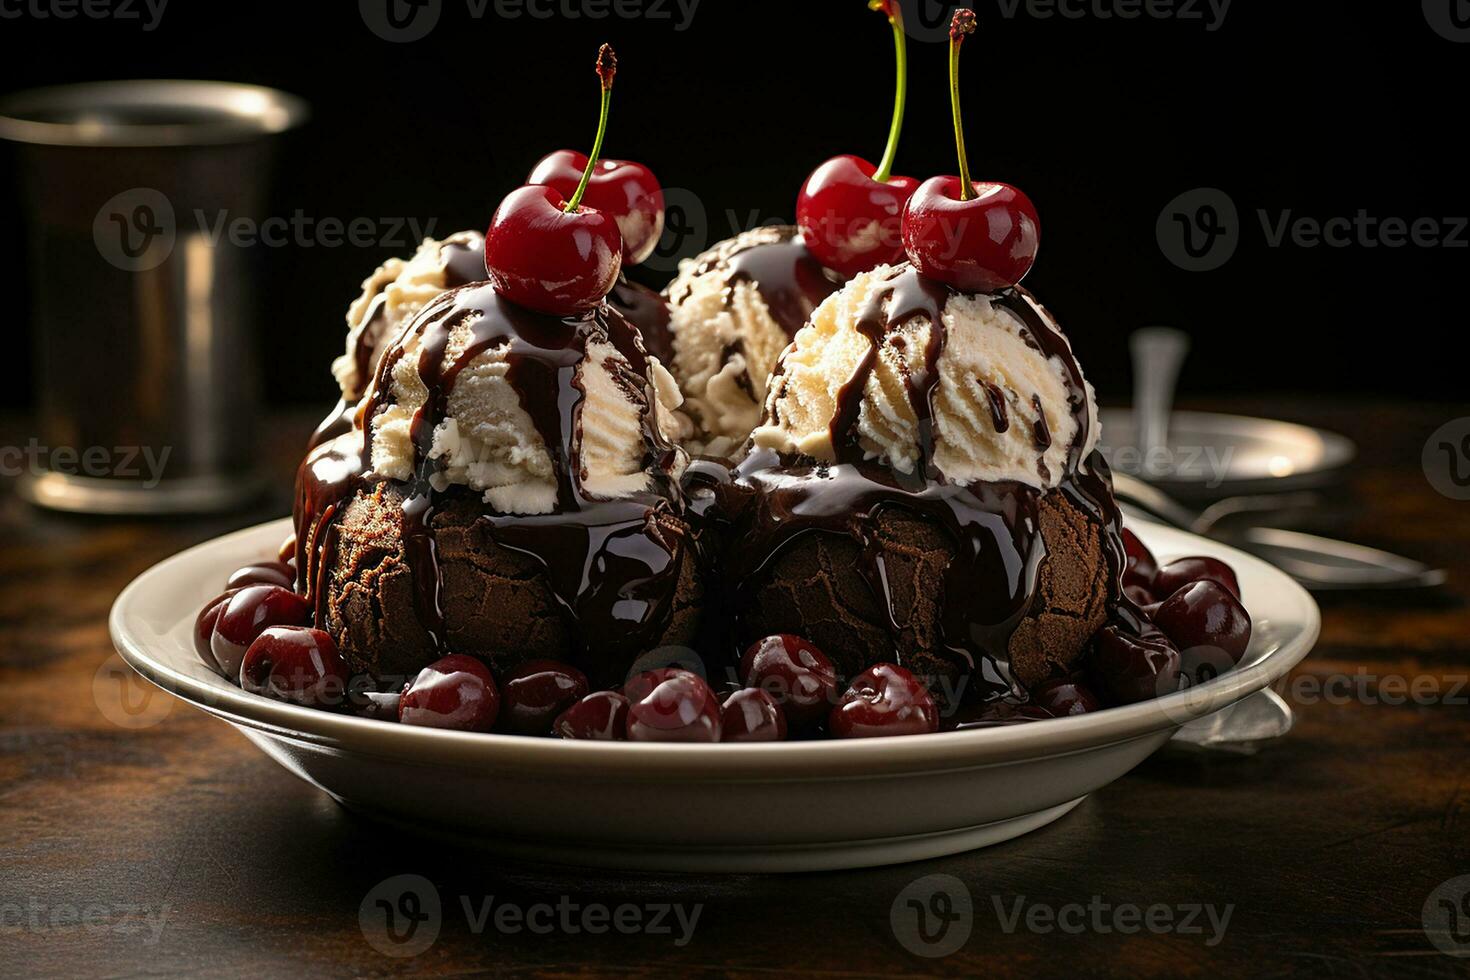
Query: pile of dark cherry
[256, 634]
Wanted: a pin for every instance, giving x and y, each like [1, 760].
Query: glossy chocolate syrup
[649, 312]
[463, 254]
[608, 563]
[769, 501]
[775, 261]
[463, 258]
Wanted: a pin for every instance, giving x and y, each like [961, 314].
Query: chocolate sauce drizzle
[649, 312]
[775, 261]
[608, 561]
[771, 500]
[463, 257]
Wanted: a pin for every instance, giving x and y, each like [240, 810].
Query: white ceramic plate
[796, 806]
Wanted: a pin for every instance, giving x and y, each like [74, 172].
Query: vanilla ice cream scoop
[536, 413]
[932, 383]
[396, 291]
[733, 309]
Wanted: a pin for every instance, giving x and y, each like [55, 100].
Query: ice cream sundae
[900, 523]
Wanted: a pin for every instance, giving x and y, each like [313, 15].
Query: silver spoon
[1321, 564]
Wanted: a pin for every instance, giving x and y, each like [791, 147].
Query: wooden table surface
[168, 846]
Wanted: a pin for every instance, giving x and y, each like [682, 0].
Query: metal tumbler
[142, 307]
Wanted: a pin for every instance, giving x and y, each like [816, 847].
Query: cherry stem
[607, 67]
[963, 23]
[890, 9]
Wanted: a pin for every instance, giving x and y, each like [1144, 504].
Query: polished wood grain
[169, 846]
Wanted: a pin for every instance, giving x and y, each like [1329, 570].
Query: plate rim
[654, 762]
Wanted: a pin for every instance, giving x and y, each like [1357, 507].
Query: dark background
[1311, 107]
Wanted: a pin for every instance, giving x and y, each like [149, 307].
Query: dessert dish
[497, 530]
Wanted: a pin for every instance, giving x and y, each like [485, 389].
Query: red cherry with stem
[455, 692]
[850, 212]
[296, 664]
[974, 235]
[550, 253]
[885, 699]
[626, 190]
